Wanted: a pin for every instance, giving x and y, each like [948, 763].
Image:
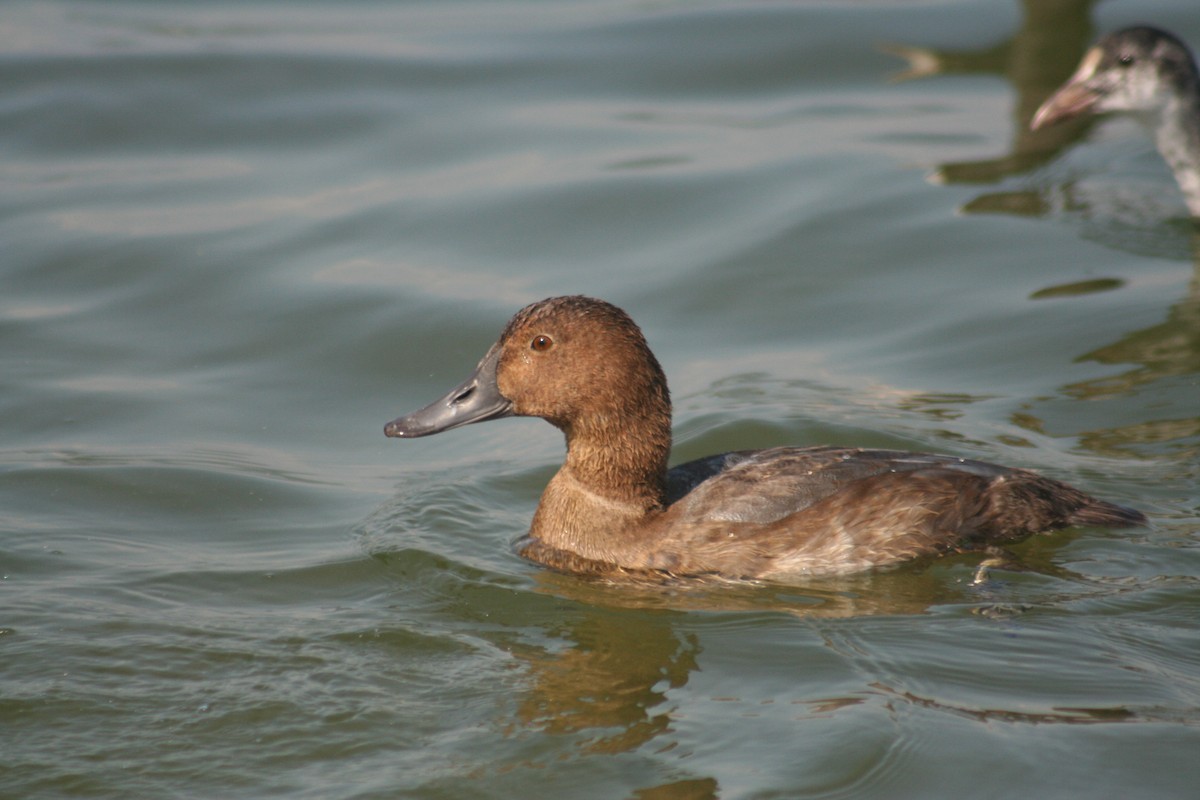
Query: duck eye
[541, 343]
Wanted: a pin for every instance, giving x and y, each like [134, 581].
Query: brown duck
[782, 513]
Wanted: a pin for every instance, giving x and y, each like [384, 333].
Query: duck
[1151, 75]
[614, 509]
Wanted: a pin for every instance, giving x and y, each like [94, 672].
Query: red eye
[541, 343]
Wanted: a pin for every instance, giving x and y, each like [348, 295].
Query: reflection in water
[1168, 349]
[626, 648]
[1158, 354]
[613, 679]
[909, 589]
[1070, 715]
[1036, 60]
[609, 684]
[623, 652]
[1077, 288]
[701, 789]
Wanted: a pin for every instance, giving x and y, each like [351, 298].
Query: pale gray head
[1139, 70]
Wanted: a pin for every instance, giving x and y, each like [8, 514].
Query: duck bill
[1069, 101]
[1077, 96]
[476, 399]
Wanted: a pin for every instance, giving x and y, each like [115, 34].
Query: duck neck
[613, 479]
[1177, 136]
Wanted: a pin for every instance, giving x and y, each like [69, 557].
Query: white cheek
[1138, 90]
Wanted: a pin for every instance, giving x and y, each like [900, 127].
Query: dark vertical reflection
[612, 680]
[701, 789]
[1162, 352]
[1168, 349]
[1036, 59]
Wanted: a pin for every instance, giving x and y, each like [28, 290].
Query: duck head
[1137, 70]
[581, 364]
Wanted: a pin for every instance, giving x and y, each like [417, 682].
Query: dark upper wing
[762, 486]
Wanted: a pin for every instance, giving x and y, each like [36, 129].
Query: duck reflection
[1036, 60]
[700, 789]
[1156, 355]
[624, 650]
[612, 679]
[1171, 348]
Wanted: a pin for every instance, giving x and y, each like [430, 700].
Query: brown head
[580, 363]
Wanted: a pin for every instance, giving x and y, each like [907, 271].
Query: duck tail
[1101, 513]
[1026, 501]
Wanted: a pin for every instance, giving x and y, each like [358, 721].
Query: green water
[239, 238]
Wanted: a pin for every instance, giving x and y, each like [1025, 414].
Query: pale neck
[1178, 139]
[606, 490]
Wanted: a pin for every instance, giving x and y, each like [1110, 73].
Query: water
[239, 238]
